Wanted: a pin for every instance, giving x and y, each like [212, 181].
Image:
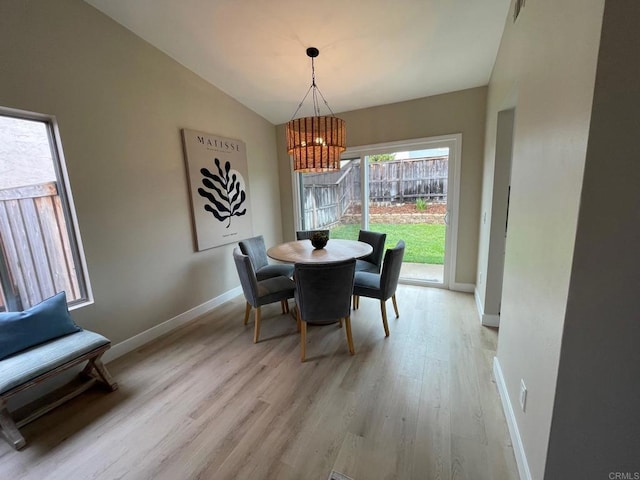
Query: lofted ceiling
[372, 52]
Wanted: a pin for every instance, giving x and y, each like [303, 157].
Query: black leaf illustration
[227, 195]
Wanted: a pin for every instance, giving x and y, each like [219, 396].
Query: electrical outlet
[523, 395]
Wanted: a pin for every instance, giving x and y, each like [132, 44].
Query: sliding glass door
[407, 199]
[405, 189]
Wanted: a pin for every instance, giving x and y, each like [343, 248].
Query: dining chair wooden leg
[303, 341]
[356, 302]
[340, 323]
[383, 309]
[395, 305]
[286, 306]
[256, 331]
[347, 321]
[246, 313]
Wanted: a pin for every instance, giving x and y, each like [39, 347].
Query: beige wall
[120, 105]
[595, 431]
[458, 112]
[545, 68]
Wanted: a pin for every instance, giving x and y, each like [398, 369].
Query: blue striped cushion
[29, 364]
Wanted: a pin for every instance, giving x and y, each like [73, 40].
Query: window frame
[66, 200]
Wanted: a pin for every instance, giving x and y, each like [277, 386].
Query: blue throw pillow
[42, 322]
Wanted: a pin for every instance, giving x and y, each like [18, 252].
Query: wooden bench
[32, 366]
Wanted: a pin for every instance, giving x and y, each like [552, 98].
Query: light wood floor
[205, 402]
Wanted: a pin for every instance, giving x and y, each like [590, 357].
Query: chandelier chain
[314, 95]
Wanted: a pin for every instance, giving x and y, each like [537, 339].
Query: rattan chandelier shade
[315, 143]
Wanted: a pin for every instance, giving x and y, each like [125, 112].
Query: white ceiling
[372, 52]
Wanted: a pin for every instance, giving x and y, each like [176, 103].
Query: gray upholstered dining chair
[381, 286]
[323, 296]
[373, 261]
[306, 234]
[261, 292]
[254, 247]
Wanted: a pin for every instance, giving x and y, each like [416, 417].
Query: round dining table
[301, 251]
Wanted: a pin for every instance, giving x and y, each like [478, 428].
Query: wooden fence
[328, 196]
[400, 181]
[36, 259]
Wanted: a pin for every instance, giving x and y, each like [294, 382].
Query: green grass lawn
[424, 242]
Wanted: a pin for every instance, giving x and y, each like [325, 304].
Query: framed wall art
[219, 187]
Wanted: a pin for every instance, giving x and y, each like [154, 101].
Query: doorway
[499, 218]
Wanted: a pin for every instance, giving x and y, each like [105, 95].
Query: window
[40, 247]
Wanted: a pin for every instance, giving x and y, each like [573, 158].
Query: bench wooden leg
[101, 370]
[9, 427]
[104, 374]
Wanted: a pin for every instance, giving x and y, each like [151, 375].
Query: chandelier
[315, 142]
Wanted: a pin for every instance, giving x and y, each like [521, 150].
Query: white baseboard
[462, 287]
[516, 441]
[490, 320]
[454, 287]
[486, 319]
[147, 336]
